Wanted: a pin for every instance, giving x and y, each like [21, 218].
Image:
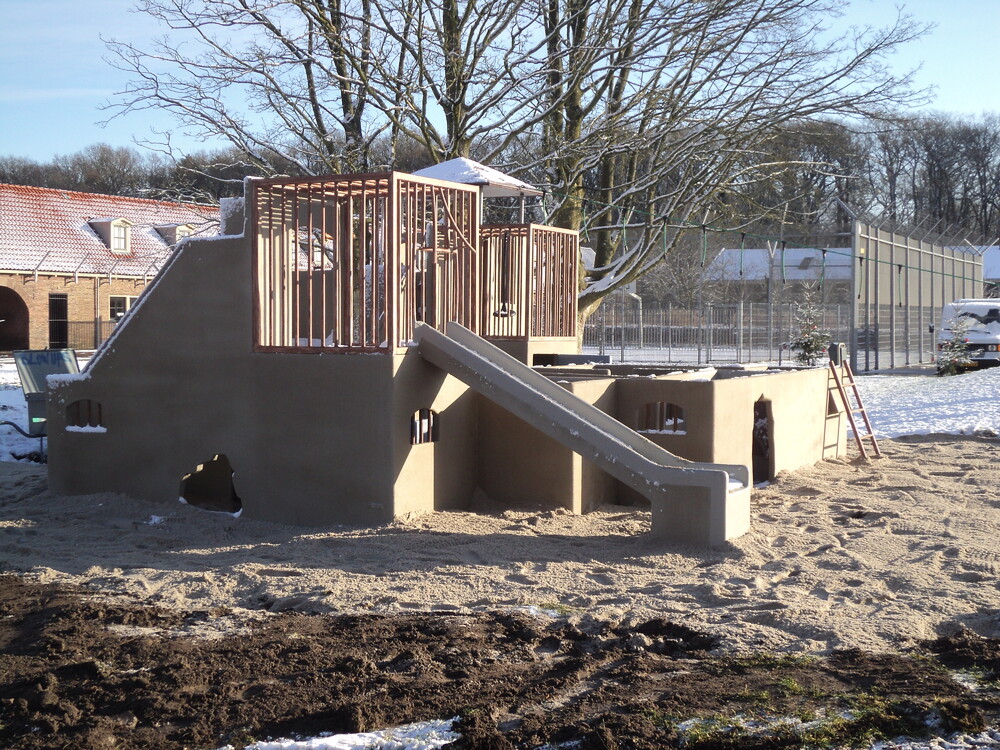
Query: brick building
[72, 264]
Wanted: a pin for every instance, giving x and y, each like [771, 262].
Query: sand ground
[847, 554]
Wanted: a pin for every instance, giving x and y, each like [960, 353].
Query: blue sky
[53, 77]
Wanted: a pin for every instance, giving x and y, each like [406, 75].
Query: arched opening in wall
[763, 439]
[84, 413]
[13, 321]
[210, 487]
[424, 427]
[661, 417]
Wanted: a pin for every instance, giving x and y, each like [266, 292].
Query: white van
[982, 320]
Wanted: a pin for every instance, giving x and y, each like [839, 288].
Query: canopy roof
[494, 183]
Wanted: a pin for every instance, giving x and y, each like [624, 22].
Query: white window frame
[129, 301]
[121, 237]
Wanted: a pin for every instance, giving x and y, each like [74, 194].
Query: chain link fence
[751, 333]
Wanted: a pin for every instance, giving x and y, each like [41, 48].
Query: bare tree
[635, 115]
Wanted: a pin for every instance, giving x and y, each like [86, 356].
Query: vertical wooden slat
[366, 267]
[349, 281]
[324, 208]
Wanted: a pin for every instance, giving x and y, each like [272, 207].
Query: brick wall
[88, 308]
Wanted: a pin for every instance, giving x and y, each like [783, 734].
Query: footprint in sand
[278, 573]
[614, 600]
[522, 579]
[969, 576]
[653, 588]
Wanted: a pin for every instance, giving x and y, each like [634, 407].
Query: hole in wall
[661, 417]
[762, 432]
[210, 487]
[424, 427]
[84, 413]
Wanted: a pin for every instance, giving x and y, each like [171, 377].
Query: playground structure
[353, 349]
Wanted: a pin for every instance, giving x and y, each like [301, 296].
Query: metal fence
[750, 332]
[86, 334]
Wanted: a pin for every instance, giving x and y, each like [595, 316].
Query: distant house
[72, 264]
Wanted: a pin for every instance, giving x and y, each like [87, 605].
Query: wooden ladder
[843, 376]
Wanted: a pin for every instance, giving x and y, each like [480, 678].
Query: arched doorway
[763, 441]
[13, 321]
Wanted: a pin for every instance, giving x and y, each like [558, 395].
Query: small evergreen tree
[811, 342]
[953, 356]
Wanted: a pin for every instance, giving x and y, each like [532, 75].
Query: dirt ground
[77, 672]
[863, 604]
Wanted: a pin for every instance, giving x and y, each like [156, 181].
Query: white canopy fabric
[494, 183]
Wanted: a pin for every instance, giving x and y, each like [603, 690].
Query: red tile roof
[47, 230]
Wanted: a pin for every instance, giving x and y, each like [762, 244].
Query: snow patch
[426, 735]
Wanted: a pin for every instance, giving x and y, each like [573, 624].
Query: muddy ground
[78, 672]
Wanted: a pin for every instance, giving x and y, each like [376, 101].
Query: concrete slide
[692, 503]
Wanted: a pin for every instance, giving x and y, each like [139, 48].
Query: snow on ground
[897, 405]
[13, 409]
[427, 735]
[923, 404]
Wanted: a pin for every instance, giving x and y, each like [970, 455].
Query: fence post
[699, 332]
[739, 332]
[638, 301]
[622, 355]
[670, 332]
[603, 329]
[659, 328]
[710, 342]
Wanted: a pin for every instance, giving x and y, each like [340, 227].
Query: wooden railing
[351, 263]
[529, 281]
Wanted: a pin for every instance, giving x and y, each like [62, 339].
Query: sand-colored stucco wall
[719, 415]
[518, 465]
[439, 475]
[308, 435]
[525, 350]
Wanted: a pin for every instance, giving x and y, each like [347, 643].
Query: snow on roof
[49, 230]
[800, 264]
[495, 184]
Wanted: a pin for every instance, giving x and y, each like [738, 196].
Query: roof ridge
[84, 194]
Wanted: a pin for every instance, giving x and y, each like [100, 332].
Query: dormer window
[120, 236]
[115, 233]
[174, 233]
